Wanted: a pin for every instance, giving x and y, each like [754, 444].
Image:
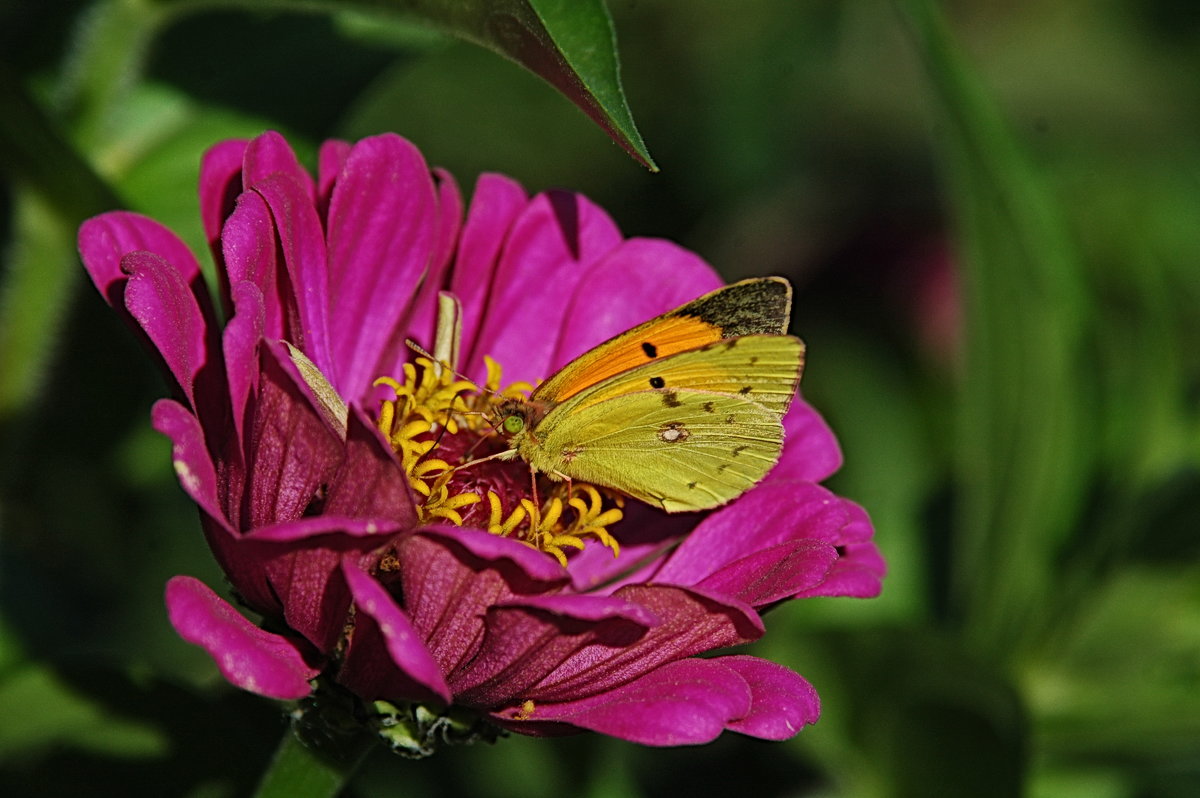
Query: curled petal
[220, 184]
[250, 658]
[378, 618]
[107, 238]
[189, 455]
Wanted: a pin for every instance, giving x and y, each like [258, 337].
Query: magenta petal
[159, 299]
[400, 639]
[532, 571]
[529, 639]
[292, 451]
[691, 621]
[330, 160]
[496, 203]
[682, 703]
[772, 513]
[220, 184]
[860, 568]
[810, 451]
[782, 702]
[550, 247]
[250, 658]
[774, 573]
[270, 155]
[302, 241]
[422, 323]
[239, 343]
[106, 239]
[249, 251]
[191, 459]
[640, 279]
[382, 238]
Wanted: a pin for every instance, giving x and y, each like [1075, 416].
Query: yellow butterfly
[683, 412]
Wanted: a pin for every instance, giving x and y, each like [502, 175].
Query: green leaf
[571, 44]
[1023, 449]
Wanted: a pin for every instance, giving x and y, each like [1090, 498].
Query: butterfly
[683, 412]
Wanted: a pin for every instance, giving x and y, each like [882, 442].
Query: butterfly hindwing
[674, 448]
[749, 307]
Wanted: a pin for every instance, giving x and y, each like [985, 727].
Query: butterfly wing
[676, 449]
[764, 369]
[749, 307]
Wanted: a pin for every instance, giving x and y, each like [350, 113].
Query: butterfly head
[517, 417]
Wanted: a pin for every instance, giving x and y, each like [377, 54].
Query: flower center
[440, 427]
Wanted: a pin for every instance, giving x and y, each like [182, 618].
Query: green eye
[513, 424]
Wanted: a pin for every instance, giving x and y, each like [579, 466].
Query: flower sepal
[415, 731]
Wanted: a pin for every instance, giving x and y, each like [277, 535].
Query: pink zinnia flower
[310, 460]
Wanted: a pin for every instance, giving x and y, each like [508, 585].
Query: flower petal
[551, 245]
[860, 568]
[772, 513]
[302, 242]
[782, 702]
[105, 239]
[331, 158]
[270, 155]
[382, 235]
[528, 639]
[450, 576]
[379, 618]
[640, 279]
[495, 204]
[239, 343]
[250, 254]
[682, 703]
[810, 451]
[189, 455]
[250, 658]
[220, 184]
[775, 573]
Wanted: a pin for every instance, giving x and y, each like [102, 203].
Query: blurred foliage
[989, 211]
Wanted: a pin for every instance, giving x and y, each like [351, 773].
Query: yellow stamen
[431, 402]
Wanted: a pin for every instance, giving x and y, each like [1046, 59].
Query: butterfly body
[683, 412]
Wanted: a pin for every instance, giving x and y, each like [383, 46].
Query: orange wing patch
[666, 335]
[749, 307]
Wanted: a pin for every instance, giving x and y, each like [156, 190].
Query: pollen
[460, 468]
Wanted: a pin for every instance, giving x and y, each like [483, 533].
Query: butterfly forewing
[750, 307]
[762, 368]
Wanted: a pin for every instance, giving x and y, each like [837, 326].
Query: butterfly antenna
[442, 363]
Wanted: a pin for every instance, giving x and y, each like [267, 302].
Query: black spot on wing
[671, 399]
[709, 407]
[650, 349]
[745, 389]
[657, 382]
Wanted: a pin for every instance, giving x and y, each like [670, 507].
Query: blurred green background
[990, 214]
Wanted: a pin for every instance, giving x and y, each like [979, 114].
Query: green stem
[301, 771]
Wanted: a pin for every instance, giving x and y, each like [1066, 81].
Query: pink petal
[551, 245]
[496, 203]
[691, 621]
[775, 573]
[331, 158]
[270, 155]
[772, 513]
[378, 617]
[382, 239]
[220, 184]
[292, 451]
[193, 464]
[782, 702]
[451, 576]
[810, 450]
[104, 240]
[370, 481]
[250, 658]
[528, 639]
[239, 343]
[250, 251]
[422, 324]
[640, 279]
[302, 242]
[682, 703]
